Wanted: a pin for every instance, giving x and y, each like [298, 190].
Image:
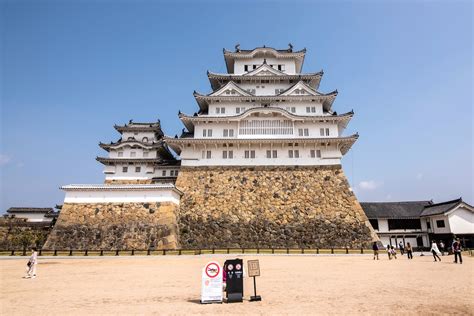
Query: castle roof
[289, 94]
[264, 52]
[45, 210]
[217, 80]
[131, 142]
[444, 207]
[120, 187]
[189, 121]
[394, 210]
[153, 161]
[345, 143]
[140, 127]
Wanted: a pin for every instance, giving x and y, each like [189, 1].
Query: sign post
[211, 286]
[254, 271]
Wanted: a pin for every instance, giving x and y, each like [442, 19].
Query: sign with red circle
[212, 270]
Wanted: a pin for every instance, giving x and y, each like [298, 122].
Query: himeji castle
[264, 112]
[257, 165]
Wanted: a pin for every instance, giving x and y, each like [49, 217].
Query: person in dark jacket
[409, 250]
[401, 247]
[457, 249]
[376, 250]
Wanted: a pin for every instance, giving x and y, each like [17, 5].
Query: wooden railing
[198, 251]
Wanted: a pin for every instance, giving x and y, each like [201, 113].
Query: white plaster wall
[290, 65]
[147, 172]
[102, 196]
[461, 221]
[218, 129]
[299, 107]
[33, 217]
[383, 225]
[265, 88]
[138, 135]
[192, 156]
[434, 227]
[127, 150]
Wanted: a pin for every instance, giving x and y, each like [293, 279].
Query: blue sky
[70, 70]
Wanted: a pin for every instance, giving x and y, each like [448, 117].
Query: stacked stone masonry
[119, 226]
[270, 207]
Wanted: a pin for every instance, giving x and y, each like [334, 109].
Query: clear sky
[70, 70]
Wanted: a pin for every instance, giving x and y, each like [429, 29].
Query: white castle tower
[140, 156]
[261, 159]
[264, 112]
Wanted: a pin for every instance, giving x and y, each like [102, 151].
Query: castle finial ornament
[237, 47]
[290, 47]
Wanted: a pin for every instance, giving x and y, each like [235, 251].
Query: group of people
[392, 252]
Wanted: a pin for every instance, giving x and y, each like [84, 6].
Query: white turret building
[140, 156]
[264, 112]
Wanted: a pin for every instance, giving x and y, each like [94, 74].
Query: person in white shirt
[32, 262]
[435, 251]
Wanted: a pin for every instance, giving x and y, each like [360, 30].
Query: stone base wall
[17, 233]
[116, 226]
[138, 181]
[270, 207]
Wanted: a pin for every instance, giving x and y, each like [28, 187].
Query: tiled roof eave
[119, 187]
[346, 139]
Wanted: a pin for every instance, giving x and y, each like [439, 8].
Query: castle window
[293, 153]
[218, 110]
[135, 133]
[327, 131]
[120, 153]
[171, 173]
[269, 154]
[138, 169]
[131, 138]
[275, 155]
[440, 223]
[204, 133]
[308, 109]
[163, 173]
[145, 139]
[246, 67]
[124, 169]
[318, 153]
[227, 154]
[312, 153]
[249, 154]
[254, 66]
[313, 109]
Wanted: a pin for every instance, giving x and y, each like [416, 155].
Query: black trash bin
[234, 270]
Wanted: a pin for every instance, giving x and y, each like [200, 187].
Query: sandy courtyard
[290, 284]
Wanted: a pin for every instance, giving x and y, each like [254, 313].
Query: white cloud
[4, 159]
[419, 176]
[369, 185]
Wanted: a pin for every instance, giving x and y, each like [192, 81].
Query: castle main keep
[259, 165]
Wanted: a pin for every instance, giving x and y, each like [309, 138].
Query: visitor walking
[376, 250]
[393, 252]
[402, 248]
[389, 252]
[409, 251]
[457, 249]
[441, 247]
[31, 265]
[435, 251]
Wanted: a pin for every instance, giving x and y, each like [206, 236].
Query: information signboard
[211, 286]
[254, 268]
